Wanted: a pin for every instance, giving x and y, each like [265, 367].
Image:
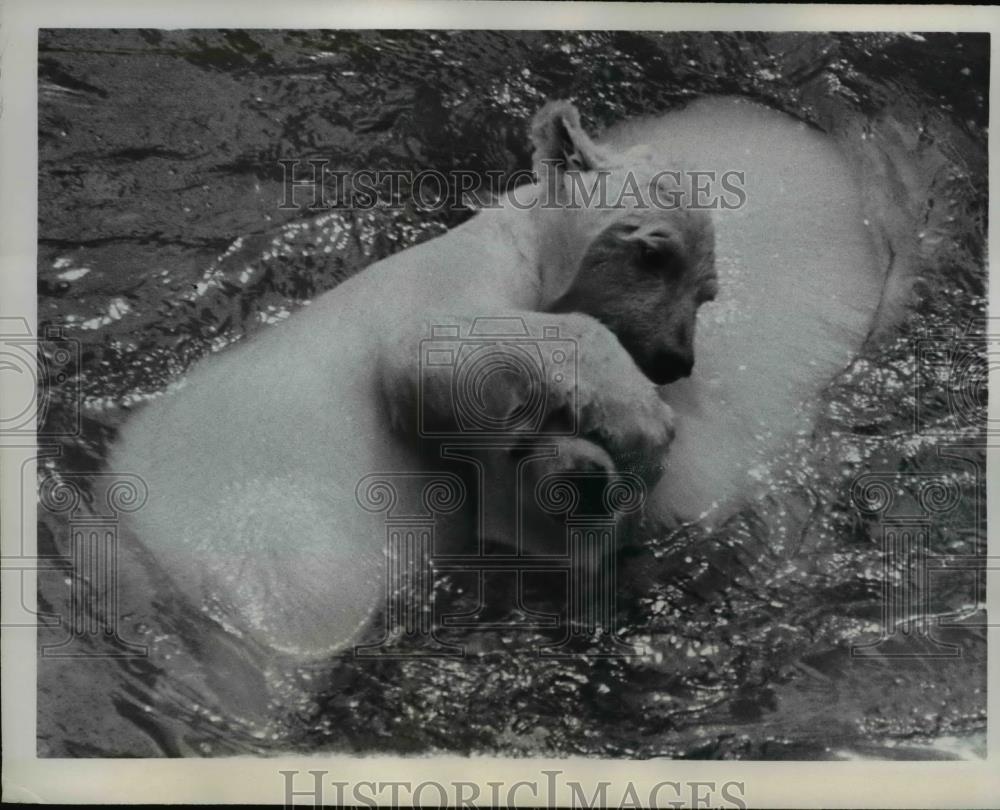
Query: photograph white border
[257, 780]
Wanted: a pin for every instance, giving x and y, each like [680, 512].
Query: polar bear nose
[670, 365]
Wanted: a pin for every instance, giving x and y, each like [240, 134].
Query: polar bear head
[622, 242]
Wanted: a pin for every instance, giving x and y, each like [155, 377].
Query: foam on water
[799, 287]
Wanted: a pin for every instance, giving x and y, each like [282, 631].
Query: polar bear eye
[657, 248]
[659, 255]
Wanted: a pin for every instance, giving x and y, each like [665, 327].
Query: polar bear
[253, 465]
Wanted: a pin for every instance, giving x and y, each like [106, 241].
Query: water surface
[160, 240]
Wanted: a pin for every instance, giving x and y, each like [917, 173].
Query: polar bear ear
[560, 142]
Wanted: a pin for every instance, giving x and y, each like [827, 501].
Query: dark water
[161, 239]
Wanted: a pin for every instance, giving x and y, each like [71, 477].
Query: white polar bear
[253, 465]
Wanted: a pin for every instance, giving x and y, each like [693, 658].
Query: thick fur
[252, 467]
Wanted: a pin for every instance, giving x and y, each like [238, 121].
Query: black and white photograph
[509, 394]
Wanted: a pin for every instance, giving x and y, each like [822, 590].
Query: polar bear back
[251, 467]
